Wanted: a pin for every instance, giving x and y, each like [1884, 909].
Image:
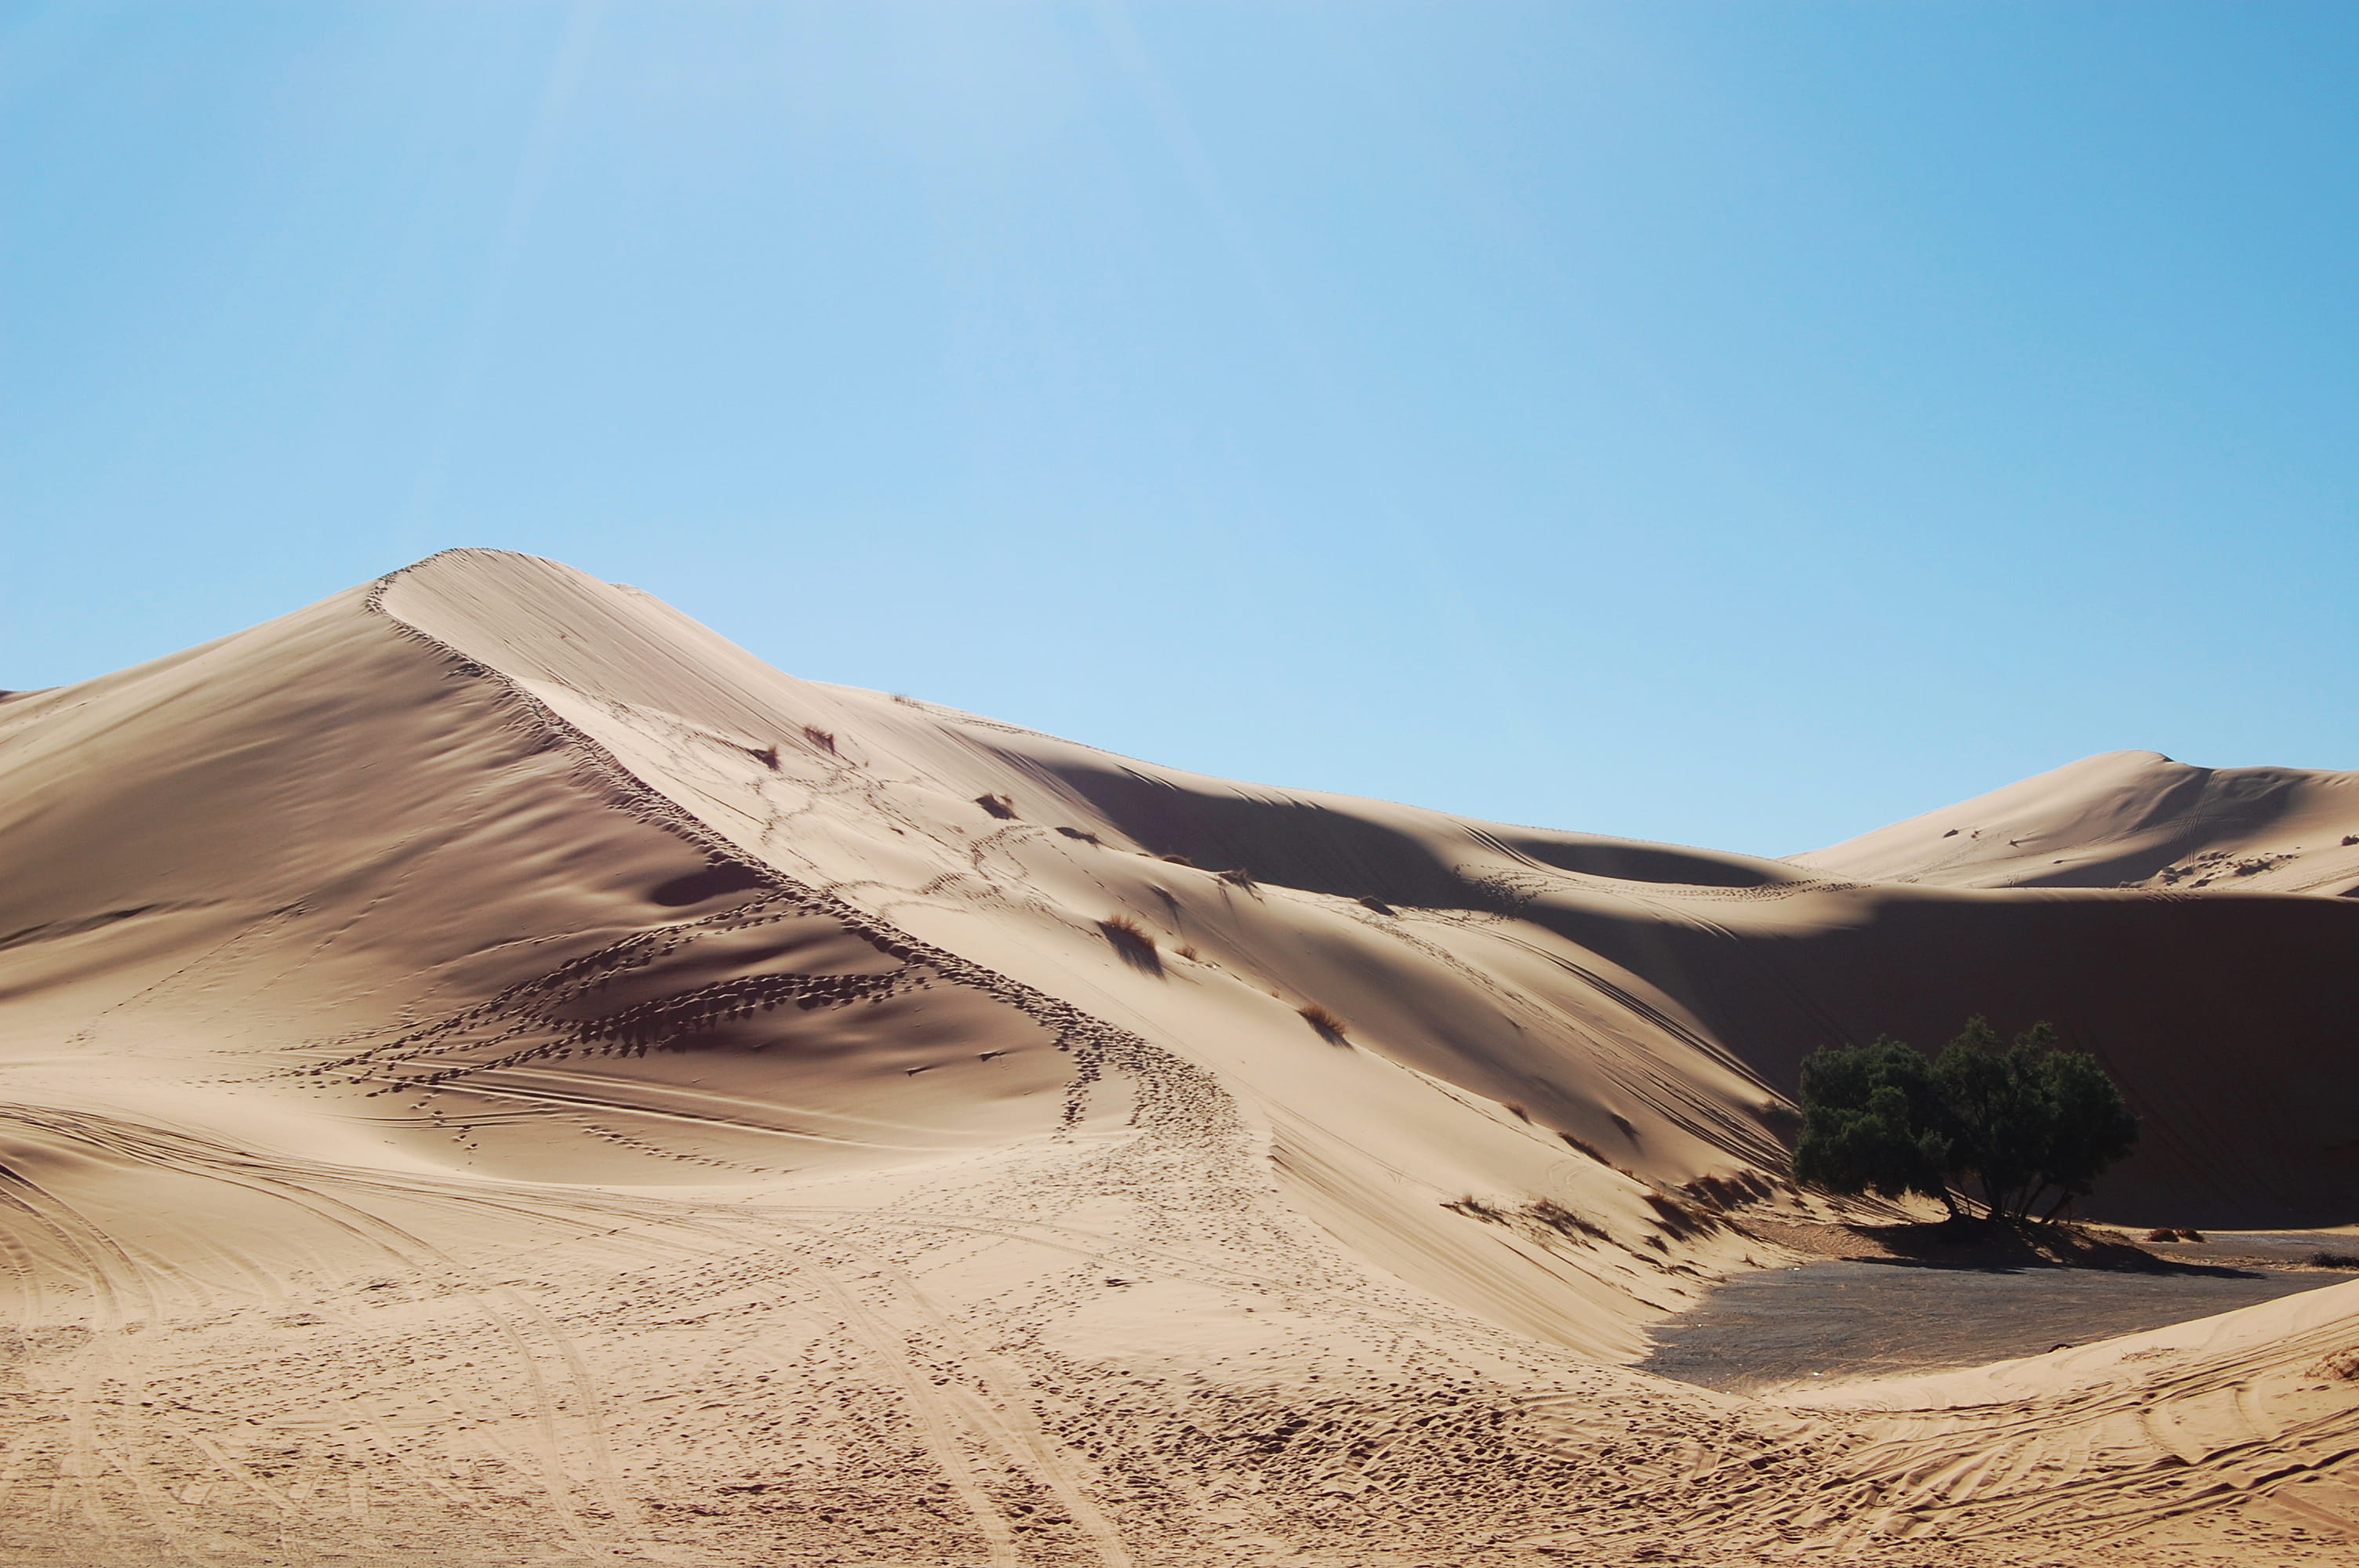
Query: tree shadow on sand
[1999, 1246]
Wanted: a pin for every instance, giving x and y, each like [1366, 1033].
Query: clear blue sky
[1736, 424]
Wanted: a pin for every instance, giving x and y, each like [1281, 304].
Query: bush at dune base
[2010, 1123]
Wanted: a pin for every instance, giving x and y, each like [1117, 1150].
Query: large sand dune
[2127, 819]
[495, 1072]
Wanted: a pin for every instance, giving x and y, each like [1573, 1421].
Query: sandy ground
[490, 1073]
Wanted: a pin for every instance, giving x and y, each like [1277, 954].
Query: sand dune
[2126, 820]
[495, 1074]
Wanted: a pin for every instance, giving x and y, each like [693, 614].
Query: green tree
[2002, 1121]
[2092, 1126]
[2017, 1120]
[1874, 1120]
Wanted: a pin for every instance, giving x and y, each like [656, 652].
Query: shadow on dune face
[1631, 862]
[712, 882]
[2227, 1020]
[1319, 847]
[1293, 843]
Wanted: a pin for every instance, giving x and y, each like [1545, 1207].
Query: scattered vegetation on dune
[2343, 1366]
[2010, 1122]
[1133, 942]
[1329, 1027]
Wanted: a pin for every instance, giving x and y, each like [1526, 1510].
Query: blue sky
[1734, 424]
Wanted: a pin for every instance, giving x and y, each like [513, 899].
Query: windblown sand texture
[494, 1074]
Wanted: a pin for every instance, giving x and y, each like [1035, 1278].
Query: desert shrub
[1331, 1028]
[824, 739]
[1133, 942]
[1555, 1217]
[2334, 1260]
[998, 806]
[2017, 1120]
[2343, 1365]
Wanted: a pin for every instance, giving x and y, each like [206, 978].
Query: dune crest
[2126, 820]
[496, 1071]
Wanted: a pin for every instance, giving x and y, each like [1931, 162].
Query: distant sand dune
[495, 1073]
[2124, 819]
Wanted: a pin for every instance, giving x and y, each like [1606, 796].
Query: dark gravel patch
[1867, 1319]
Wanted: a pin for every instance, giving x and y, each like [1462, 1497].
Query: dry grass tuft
[1331, 1028]
[999, 805]
[824, 739]
[1238, 877]
[1133, 942]
[1085, 838]
[1589, 1149]
[769, 757]
[1516, 1109]
[2343, 1366]
[1557, 1217]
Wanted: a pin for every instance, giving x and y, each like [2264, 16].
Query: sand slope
[2126, 820]
[496, 1074]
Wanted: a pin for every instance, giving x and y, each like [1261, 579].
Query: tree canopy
[2016, 1121]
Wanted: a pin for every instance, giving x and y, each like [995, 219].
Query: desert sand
[2127, 819]
[495, 1074]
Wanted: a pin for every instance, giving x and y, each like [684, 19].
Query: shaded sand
[1787, 1325]
[495, 1072]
